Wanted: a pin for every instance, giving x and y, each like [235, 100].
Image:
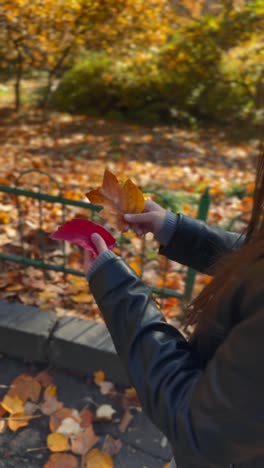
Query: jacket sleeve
[212, 417]
[198, 245]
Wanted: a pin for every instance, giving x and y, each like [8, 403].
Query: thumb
[140, 218]
[99, 243]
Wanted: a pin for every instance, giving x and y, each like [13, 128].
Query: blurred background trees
[153, 62]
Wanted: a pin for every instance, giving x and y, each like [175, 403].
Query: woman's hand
[150, 220]
[89, 257]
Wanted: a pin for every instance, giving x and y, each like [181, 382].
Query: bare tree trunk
[45, 104]
[19, 74]
[259, 96]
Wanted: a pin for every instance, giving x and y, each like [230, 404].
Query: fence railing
[25, 258]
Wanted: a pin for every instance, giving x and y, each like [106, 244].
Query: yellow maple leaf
[117, 199]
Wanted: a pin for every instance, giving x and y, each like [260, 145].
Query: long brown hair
[229, 267]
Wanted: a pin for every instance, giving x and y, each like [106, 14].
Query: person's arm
[211, 417]
[183, 239]
[196, 244]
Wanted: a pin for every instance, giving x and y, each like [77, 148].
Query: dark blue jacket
[213, 415]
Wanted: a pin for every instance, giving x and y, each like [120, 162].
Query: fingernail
[127, 217]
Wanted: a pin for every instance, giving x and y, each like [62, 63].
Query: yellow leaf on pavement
[51, 390]
[99, 377]
[57, 442]
[13, 405]
[18, 420]
[62, 460]
[97, 459]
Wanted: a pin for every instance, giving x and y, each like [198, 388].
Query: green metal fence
[21, 194]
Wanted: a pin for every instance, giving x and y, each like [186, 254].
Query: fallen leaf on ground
[130, 399]
[69, 427]
[26, 388]
[51, 391]
[3, 426]
[97, 459]
[125, 421]
[84, 441]
[13, 405]
[82, 298]
[78, 231]
[18, 420]
[99, 377]
[57, 442]
[111, 446]
[106, 387]
[45, 379]
[87, 417]
[59, 416]
[62, 460]
[50, 404]
[105, 412]
[2, 411]
[30, 408]
[117, 199]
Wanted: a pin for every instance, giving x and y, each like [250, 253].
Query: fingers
[150, 205]
[138, 230]
[141, 218]
[99, 243]
[87, 260]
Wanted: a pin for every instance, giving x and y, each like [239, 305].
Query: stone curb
[81, 346]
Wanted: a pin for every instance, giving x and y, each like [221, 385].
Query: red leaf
[79, 231]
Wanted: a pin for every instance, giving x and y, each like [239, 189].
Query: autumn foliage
[72, 441]
[117, 199]
[152, 62]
